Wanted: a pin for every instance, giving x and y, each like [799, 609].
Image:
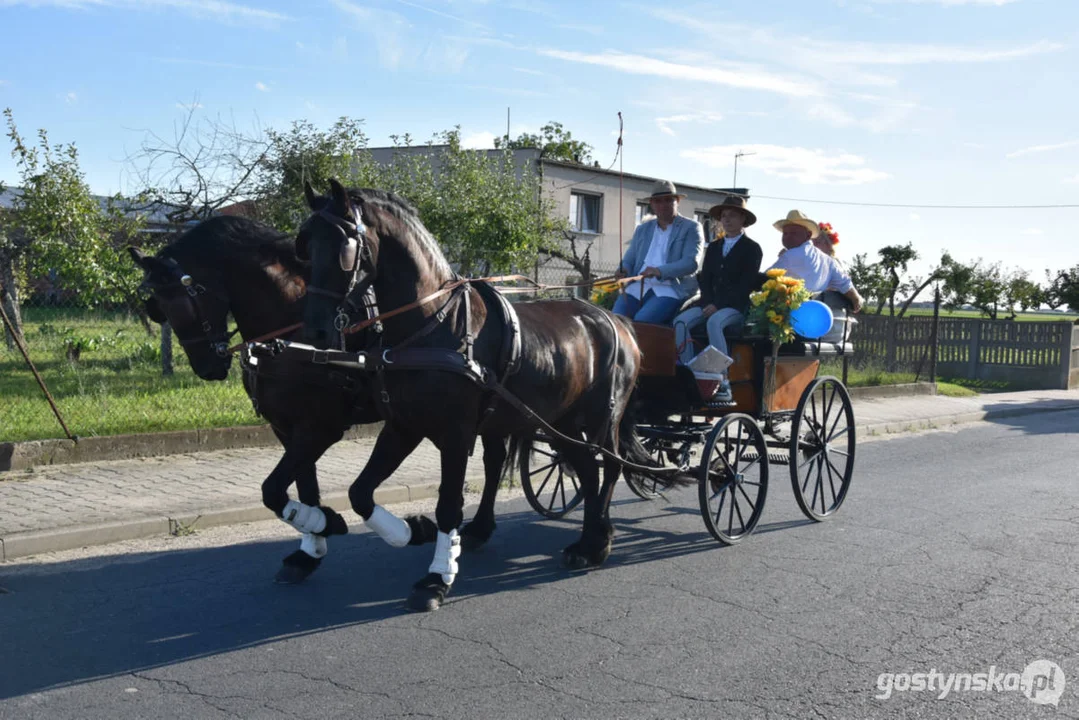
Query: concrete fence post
[975, 349]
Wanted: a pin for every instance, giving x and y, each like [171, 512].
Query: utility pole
[736, 156]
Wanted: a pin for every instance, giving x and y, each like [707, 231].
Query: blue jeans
[655, 309]
[720, 319]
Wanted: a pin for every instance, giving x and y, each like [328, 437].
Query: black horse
[576, 369]
[232, 264]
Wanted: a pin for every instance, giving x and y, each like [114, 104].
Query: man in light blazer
[667, 251]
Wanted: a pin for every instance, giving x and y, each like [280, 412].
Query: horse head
[193, 302]
[342, 256]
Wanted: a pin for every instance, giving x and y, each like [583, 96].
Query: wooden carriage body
[668, 388]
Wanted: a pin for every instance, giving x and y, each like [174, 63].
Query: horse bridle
[354, 257]
[194, 291]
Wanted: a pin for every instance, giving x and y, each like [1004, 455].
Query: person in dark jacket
[728, 275]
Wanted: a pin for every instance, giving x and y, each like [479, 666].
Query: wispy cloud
[664, 123]
[1031, 231]
[1072, 180]
[587, 29]
[915, 217]
[716, 75]
[860, 53]
[440, 13]
[71, 97]
[811, 167]
[211, 9]
[396, 44]
[213, 63]
[1042, 148]
[261, 87]
[529, 71]
[947, 3]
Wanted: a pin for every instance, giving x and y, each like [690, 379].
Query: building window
[643, 211]
[584, 212]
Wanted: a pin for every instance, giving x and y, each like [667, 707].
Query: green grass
[114, 387]
[953, 390]
[974, 314]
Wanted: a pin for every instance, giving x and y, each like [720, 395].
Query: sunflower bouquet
[771, 306]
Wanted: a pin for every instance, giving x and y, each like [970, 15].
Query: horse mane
[389, 206]
[227, 239]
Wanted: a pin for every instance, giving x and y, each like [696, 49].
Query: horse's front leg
[393, 445]
[477, 532]
[429, 592]
[316, 523]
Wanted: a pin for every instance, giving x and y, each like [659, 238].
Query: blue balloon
[812, 319]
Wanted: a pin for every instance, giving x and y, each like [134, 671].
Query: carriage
[782, 412]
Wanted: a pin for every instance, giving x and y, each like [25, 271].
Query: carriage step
[775, 457]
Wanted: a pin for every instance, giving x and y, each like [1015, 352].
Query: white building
[589, 197]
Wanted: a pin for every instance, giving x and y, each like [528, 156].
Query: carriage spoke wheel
[733, 478]
[642, 487]
[822, 448]
[548, 487]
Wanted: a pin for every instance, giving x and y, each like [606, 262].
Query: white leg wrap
[447, 550]
[304, 518]
[314, 545]
[389, 527]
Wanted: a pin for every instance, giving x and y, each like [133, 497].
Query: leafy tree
[554, 143]
[57, 224]
[1021, 293]
[870, 279]
[488, 214]
[303, 152]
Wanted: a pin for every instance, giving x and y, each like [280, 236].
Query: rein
[537, 287]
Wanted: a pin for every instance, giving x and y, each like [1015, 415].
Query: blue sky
[923, 102]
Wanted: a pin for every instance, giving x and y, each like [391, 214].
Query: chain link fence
[105, 371]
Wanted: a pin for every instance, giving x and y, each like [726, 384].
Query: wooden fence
[1023, 354]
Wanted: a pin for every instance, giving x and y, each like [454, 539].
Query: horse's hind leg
[391, 448]
[477, 532]
[595, 543]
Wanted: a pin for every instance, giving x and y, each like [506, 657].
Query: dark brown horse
[234, 265]
[576, 370]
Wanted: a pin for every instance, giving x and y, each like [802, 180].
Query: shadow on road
[89, 619]
[1053, 417]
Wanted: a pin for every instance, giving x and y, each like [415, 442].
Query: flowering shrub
[771, 306]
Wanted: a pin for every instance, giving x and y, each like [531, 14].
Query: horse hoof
[296, 568]
[335, 524]
[574, 557]
[423, 530]
[428, 594]
[474, 537]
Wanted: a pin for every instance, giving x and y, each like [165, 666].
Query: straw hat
[738, 203]
[663, 188]
[797, 217]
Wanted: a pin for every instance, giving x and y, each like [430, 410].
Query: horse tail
[518, 450]
[632, 449]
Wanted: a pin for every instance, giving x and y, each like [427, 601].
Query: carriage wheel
[822, 448]
[734, 478]
[642, 487]
[548, 487]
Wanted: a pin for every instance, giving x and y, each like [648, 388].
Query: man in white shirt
[667, 251]
[804, 261]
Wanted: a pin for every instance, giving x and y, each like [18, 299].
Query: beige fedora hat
[663, 188]
[797, 217]
[736, 202]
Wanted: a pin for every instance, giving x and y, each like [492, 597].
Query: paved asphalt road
[956, 552]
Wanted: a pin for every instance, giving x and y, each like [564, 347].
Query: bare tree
[205, 166]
